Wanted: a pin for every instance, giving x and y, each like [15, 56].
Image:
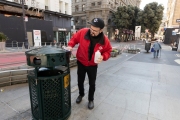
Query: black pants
[91, 72]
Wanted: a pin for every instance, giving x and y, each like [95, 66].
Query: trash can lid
[46, 50]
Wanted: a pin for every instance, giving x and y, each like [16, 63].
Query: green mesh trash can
[147, 46]
[49, 83]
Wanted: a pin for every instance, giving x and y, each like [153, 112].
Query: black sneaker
[91, 105]
[79, 99]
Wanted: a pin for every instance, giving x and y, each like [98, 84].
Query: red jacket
[82, 37]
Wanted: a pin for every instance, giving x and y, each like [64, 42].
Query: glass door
[62, 37]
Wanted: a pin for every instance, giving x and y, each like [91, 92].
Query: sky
[163, 2]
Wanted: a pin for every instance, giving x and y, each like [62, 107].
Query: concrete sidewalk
[130, 90]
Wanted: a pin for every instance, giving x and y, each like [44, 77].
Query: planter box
[133, 51]
[113, 54]
[174, 48]
[119, 51]
[138, 50]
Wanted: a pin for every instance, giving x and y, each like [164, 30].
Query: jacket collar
[101, 41]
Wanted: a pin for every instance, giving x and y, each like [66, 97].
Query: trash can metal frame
[63, 109]
[147, 46]
[49, 83]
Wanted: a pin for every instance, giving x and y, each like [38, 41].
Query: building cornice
[12, 4]
[25, 6]
[57, 13]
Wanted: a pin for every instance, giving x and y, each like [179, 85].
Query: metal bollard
[60, 44]
[17, 46]
[23, 46]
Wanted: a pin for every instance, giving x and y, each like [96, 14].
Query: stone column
[105, 18]
[105, 27]
[87, 19]
[112, 33]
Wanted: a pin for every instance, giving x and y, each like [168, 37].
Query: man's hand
[100, 59]
[67, 48]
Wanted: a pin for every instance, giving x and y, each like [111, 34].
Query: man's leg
[157, 53]
[81, 72]
[154, 53]
[92, 73]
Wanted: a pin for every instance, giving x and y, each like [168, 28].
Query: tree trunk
[153, 35]
[119, 35]
[128, 37]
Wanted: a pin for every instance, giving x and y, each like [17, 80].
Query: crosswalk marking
[178, 55]
[177, 61]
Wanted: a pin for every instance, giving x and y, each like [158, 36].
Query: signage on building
[173, 33]
[26, 18]
[137, 32]
[37, 37]
[176, 30]
[178, 20]
[62, 29]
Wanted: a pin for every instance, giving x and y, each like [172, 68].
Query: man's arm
[107, 51]
[75, 39]
[105, 55]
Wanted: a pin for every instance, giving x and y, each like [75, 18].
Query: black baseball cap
[97, 22]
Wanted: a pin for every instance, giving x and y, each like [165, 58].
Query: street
[11, 60]
[133, 84]
[129, 87]
[14, 59]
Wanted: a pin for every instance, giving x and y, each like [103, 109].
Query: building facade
[162, 27]
[173, 13]
[85, 10]
[52, 17]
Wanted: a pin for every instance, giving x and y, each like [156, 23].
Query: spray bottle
[97, 56]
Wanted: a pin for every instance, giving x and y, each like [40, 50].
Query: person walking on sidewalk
[90, 40]
[156, 47]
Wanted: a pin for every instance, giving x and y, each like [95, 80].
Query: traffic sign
[26, 18]
[178, 20]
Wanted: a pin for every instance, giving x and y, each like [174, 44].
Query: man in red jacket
[90, 40]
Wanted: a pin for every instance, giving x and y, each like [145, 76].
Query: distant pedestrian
[156, 47]
[54, 42]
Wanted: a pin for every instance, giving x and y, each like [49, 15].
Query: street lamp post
[178, 42]
[25, 33]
